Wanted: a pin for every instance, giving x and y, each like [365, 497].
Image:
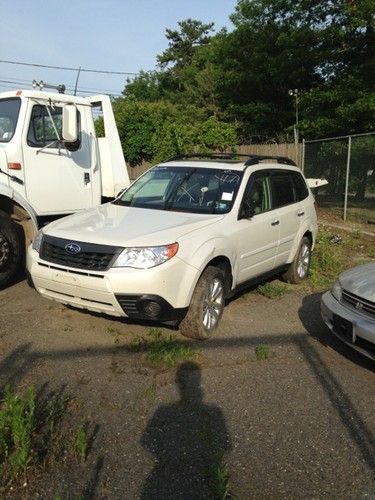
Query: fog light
[151, 308]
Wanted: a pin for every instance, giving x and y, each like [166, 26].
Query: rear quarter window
[300, 187]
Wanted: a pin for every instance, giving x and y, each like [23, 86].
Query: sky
[109, 35]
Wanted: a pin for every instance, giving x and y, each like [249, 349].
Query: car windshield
[186, 189]
[9, 109]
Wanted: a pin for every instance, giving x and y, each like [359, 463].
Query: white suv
[181, 240]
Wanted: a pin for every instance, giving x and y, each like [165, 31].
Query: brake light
[14, 166]
[19, 92]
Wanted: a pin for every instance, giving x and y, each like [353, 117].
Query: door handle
[301, 213]
[275, 223]
[86, 178]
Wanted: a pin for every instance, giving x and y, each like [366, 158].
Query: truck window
[97, 115]
[41, 129]
[9, 110]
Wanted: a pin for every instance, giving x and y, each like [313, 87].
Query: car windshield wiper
[121, 202]
[172, 196]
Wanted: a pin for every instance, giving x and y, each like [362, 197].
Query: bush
[154, 131]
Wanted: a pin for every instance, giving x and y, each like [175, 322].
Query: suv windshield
[9, 109]
[186, 189]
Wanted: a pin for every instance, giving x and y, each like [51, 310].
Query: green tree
[183, 43]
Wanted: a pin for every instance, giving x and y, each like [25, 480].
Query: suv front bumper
[161, 293]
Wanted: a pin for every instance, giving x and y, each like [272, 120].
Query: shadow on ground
[185, 438]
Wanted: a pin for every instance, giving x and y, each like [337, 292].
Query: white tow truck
[52, 164]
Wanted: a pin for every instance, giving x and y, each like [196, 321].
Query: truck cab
[52, 164]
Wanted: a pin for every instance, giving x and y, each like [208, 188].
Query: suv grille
[89, 256]
[361, 305]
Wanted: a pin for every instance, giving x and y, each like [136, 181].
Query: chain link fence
[348, 164]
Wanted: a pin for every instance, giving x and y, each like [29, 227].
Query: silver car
[349, 308]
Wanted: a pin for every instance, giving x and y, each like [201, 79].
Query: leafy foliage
[211, 90]
[154, 131]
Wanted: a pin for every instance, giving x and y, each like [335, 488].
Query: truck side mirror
[69, 123]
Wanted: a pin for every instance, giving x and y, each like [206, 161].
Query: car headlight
[145, 257]
[337, 290]
[38, 240]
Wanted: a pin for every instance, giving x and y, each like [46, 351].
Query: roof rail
[214, 156]
[250, 159]
[254, 159]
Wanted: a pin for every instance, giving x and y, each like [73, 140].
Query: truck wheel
[206, 306]
[299, 268]
[11, 250]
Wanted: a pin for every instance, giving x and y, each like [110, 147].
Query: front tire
[299, 268]
[206, 306]
[11, 250]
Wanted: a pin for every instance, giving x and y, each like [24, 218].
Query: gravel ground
[299, 424]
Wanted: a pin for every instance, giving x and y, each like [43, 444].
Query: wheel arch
[223, 262]
[20, 211]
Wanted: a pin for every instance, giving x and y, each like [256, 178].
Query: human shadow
[186, 438]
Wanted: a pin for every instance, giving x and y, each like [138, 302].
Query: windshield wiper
[172, 196]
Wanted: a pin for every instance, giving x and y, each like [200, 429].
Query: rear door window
[282, 188]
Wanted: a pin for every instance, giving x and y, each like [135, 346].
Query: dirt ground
[299, 424]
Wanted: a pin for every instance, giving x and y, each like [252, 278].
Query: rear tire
[299, 268]
[12, 250]
[206, 306]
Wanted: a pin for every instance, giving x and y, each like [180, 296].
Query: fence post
[347, 176]
[303, 156]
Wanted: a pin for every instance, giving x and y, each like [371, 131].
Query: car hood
[117, 225]
[360, 281]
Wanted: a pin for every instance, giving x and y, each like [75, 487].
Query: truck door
[57, 176]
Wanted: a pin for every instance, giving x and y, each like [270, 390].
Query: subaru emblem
[72, 248]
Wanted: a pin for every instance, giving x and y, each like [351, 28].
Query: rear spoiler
[314, 183]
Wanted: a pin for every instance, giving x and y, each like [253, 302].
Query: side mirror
[69, 123]
[247, 210]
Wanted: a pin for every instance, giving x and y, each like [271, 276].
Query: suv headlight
[38, 240]
[145, 257]
[337, 290]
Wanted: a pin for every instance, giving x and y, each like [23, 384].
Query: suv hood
[128, 226]
[360, 281]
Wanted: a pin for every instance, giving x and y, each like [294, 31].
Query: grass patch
[327, 261]
[262, 351]
[32, 434]
[17, 426]
[80, 442]
[219, 476]
[164, 350]
[273, 289]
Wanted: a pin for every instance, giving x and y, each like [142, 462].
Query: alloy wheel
[303, 260]
[213, 304]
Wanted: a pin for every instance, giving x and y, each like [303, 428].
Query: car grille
[91, 256]
[358, 303]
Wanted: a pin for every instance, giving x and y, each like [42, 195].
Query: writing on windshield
[188, 189]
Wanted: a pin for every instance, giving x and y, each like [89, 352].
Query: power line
[66, 68]
[20, 83]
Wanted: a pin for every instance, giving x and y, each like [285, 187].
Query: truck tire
[12, 250]
[299, 268]
[206, 306]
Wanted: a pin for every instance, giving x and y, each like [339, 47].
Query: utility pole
[295, 93]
